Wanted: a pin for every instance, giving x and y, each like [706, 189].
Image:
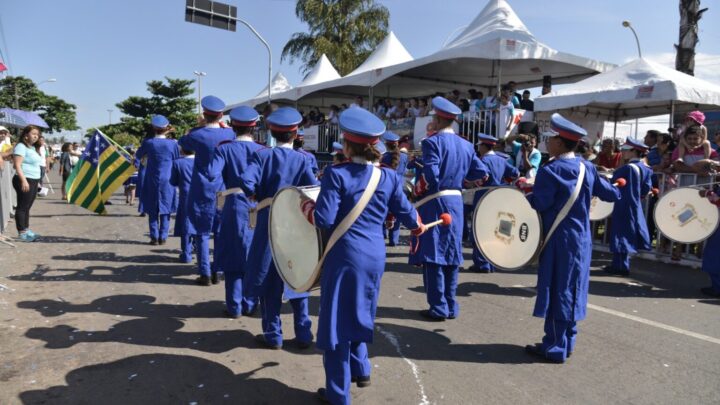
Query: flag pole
[117, 145]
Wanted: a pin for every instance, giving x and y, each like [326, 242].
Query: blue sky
[103, 51]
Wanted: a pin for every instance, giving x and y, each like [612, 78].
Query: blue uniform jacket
[498, 169]
[158, 194]
[448, 160]
[270, 170]
[140, 178]
[564, 271]
[350, 281]
[312, 160]
[203, 141]
[402, 165]
[230, 161]
[629, 232]
[180, 177]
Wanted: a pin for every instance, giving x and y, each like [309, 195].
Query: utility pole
[199, 88]
[110, 117]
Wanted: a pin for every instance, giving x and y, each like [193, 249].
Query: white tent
[323, 71]
[640, 88]
[496, 47]
[279, 84]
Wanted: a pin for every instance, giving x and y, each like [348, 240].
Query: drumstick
[445, 220]
[620, 182]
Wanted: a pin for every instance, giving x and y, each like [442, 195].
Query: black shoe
[322, 396]
[203, 280]
[425, 313]
[230, 315]
[362, 381]
[264, 343]
[537, 351]
[251, 312]
[217, 277]
[161, 241]
[142, 214]
[617, 272]
[153, 242]
[710, 292]
[302, 345]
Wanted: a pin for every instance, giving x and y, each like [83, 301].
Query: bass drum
[507, 230]
[296, 245]
[600, 209]
[683, 216]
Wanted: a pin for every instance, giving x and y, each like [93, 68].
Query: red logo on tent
[645, 92]
[510, 44]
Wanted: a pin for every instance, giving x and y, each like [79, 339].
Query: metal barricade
[7, 194]
[663, 249]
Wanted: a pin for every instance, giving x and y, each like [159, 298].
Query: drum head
[296, 244]
[600, 209]
[507, 230]
[685, 217]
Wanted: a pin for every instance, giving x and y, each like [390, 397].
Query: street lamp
[199, 88]
[110, 117]
[17, 96]
[626, 24]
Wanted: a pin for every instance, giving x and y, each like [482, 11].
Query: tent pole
[672, 113]
[614, 129]
[371, 98]
[497, 116]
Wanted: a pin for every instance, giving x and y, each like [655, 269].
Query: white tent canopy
[278, 84]
[495, 47]
[640, 88]
[323, 71]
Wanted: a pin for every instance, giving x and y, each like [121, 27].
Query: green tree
[22, 93]
[172, 99]
[125, 139]
[347, 31]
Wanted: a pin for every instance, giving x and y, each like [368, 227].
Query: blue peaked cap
[212, 104]
[566, 128]
[634, 144]
[485, 138]
[389, 136]
[159, 121]
[285, 118]
[445, 108]
[361, 123]
[244, 114]
[380, 147]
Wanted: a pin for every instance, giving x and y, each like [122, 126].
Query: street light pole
[199, 88]
[626, 24]
[110, 117]
[17, 96]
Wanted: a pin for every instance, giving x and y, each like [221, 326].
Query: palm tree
[346, 31]
[690, 15]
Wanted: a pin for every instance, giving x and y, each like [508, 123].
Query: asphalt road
[93, 314]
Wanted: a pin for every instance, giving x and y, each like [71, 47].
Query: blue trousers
[715, 280]
[202, 243]
[186, 248]
[394, 234]
[159, 225]
[440, 288]
[621, 261]
[234, 301]
[478, 259]
[559, 339]
[349, 359]
[270, 304]
[218, 246]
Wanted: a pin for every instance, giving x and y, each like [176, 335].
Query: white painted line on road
[638, 319]
[394, 341]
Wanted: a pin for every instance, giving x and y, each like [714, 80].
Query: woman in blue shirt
[26, 160]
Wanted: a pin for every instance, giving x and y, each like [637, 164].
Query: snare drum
[296, 245]
[507, 230]
[685, 217]
[600, 209]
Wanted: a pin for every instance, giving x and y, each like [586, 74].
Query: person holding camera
[525, 156]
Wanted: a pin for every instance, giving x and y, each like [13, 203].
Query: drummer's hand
[714, 198]
[307, 206]
[419, 230]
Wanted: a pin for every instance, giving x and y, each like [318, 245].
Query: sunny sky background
[102, 51]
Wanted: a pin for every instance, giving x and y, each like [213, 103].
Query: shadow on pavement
[151, 273]
[166, 378]
[74, 240]
[420, 344]
[114, 257]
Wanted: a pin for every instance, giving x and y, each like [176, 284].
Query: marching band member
[298, 144]
[564, 271]
[350, 287]
[203, 141]
[448, 160]
[629, 232]
[337, 153]
[711, 255]
[230, 161]
[158, 194]
[394, 159]
[270, 170]
[499, 168]
[181, 177]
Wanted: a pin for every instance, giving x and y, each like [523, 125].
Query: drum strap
[352, 216]
[637, 171]
[439, 194]
[570, 202]
[252, 214]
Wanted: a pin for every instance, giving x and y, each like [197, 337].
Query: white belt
[234, 190]
[253, 211]
[439, 194]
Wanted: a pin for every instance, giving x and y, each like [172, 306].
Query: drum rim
[538, 249]
[715, 228]
[606, 216]
[315, 276]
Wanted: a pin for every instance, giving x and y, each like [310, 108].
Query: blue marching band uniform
[158, 195]
[249, 175]
[201, 204]
[270, 170]
[392, 140]
[230, 161]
